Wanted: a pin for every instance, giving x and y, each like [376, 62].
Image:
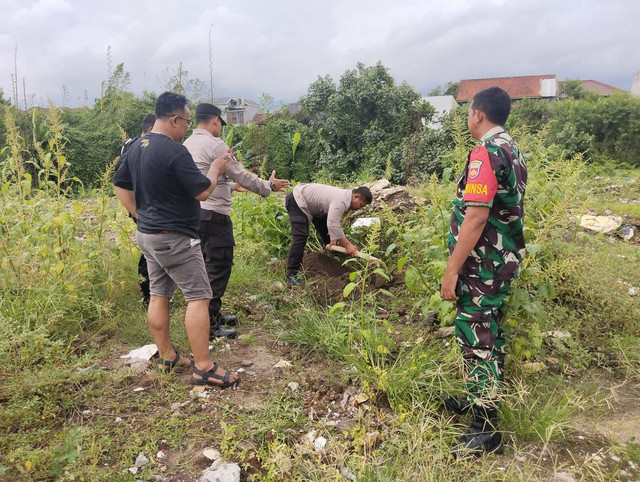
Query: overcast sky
[280, 47]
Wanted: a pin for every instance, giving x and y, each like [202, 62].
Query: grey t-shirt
[319, 200]
[205, 148]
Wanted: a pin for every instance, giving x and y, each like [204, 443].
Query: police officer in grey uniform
[216, 229]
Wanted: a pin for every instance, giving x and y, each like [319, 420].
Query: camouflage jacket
[495, 176]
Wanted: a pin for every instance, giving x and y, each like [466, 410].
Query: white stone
[160, 454]
[118, 419]
[223, 473]
[378, 185]
[293, 386]
[211, 454]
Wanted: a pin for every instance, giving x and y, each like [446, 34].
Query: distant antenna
[211, 63]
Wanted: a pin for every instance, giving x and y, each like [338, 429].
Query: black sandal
[168, 365]
[212, 374]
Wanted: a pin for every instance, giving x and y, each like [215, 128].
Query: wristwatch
[272, 185]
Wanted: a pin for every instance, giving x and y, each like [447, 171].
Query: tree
[4, 101]
[571, 89]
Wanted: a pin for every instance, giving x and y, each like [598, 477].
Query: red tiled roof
[598, 87]
[516, 87]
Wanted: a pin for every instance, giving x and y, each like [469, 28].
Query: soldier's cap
[205, 109]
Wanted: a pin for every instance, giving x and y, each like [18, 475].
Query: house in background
[443, 104]
[238, 109]
[522, 87]
[598, 87]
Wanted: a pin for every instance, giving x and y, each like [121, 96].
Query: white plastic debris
[118, 419]
[319, 443]
[141, 460]
[138, 389]
[283, 364]
[133, 470]
[160, 454]
[144, 352]
[600, 224]
[365, 222]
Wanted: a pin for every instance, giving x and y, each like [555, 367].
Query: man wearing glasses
[216, 229]
[160, 186]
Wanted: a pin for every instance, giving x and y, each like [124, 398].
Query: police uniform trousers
[479, 312]
[217, 242]
[300, 233]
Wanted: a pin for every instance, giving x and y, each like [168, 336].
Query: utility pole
[211, 63]
[24, 92]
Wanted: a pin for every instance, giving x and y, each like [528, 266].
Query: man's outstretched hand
[280, 184]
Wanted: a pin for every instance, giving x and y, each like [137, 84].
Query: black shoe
[229, 320]
[458, 405]
[482, 435]
[293, 279]
[217, 332]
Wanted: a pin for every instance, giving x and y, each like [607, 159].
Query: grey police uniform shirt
[319, 200]
[205, 148]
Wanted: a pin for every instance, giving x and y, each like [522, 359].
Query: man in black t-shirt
[143, 271]
[160, 185]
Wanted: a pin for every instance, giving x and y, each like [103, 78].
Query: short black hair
[364, 193]
[148, 122]
[495, 103]
[204, 118]
[170, 103]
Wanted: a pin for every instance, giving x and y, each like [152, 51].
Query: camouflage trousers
[479, 312]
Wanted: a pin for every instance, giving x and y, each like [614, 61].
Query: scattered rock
[628, 231]
[360, 399]
[246, 363]
[346, 473]
[293, 386]
[118, 419]
[377, 186]
[277, 286]
[160, 454]
[211, 454]
[178, 405]
[446, 332]
[141, 461]
[133, 470]
[562, 477]
[221, 473]
[345, 425]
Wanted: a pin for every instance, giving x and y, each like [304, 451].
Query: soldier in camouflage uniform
[487, 246]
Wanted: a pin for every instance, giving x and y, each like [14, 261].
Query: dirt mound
[319, 263]
[325, 277]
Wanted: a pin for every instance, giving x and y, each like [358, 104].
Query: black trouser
[143, 273]
[216, 238]
[300, 233]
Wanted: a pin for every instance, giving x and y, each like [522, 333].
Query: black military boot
[459, 405]
[229, 320]
[215, 331]
[293, 280]
[482, 436]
